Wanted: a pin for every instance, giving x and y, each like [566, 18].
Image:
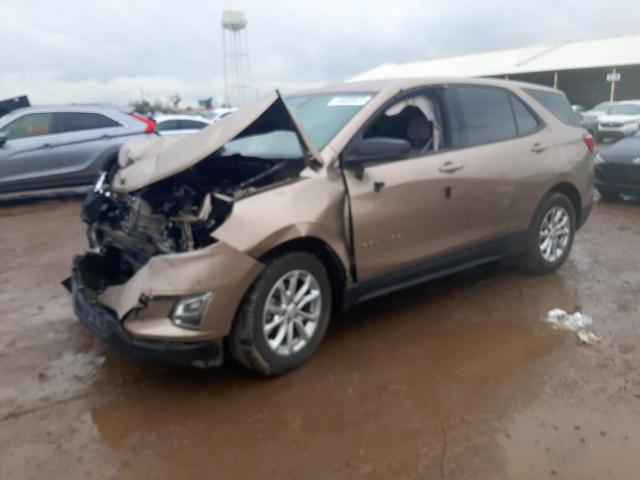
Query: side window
[525, 121]
[30, 125]
[191, 124]
[487, 114]
[167, 125]
[557, 104]
[417, 119]
[76, 121]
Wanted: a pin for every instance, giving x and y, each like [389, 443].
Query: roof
[180, 116]
[569, 55]
[69, 108]
[393, 85]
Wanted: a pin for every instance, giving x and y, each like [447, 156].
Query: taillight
[151, 125]
[589, 141]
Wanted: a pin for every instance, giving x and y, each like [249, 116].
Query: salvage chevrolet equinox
[247, 235]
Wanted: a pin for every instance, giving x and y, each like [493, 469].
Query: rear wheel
[284, 315]
[550, 235]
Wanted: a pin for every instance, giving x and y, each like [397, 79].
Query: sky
[78, 51]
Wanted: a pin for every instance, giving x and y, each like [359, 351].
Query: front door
[405, 211]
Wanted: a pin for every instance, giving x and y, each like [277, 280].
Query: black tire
[111, 166]
[609, 195]
[248, 341]
[534, 261]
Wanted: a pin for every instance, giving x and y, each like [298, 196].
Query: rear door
[29, 157]
[405, 211]
[84, 137]
[509, 152]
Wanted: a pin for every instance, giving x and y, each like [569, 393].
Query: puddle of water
[484, 353]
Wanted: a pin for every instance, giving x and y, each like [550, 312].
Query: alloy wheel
[292, 312]
[555, 231]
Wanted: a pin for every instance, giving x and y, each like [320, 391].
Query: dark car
[617, 169]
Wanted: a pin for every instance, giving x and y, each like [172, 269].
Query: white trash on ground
[575, 322]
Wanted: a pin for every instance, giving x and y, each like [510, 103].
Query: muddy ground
[458, 379]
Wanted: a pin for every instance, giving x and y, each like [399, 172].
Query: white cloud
[79, 51]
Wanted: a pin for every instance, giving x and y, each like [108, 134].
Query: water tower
[235, 51]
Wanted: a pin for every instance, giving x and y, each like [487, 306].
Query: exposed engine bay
[179, 213]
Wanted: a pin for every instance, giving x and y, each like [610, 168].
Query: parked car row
[609, 120]
[64, 148]
[376, 185]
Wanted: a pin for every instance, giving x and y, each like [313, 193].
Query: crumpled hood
[145, 161]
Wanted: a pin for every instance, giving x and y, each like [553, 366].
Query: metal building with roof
[583, 69]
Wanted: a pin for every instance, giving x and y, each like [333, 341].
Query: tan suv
[253, 231]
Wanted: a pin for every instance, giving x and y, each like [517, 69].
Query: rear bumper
[104, 322]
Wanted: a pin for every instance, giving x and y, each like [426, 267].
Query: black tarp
[10, 104]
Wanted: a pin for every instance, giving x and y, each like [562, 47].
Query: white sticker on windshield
[349, 100]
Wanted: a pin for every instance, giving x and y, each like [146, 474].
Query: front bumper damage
[104, 322]
[150, 226]
[135, 316]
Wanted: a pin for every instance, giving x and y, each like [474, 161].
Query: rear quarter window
[526, 122]
[557, 104]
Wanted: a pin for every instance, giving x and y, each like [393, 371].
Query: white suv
[621, 120]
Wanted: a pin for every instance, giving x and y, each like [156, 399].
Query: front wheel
[550, 235]
[284, 315]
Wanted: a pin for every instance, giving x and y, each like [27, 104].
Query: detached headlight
[598, 160]
[188, 312]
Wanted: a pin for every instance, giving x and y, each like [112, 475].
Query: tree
[141, 106]
[158, 106]
[175, 100]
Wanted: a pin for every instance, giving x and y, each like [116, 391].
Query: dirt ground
[457, 379]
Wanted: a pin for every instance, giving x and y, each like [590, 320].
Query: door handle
[450, 167]
[538, 147]
[46, 145]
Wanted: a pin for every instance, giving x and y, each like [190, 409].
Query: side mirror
[3, 138]
[373, 150]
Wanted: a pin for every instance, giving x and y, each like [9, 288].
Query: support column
[555, 80]
[612, 96]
